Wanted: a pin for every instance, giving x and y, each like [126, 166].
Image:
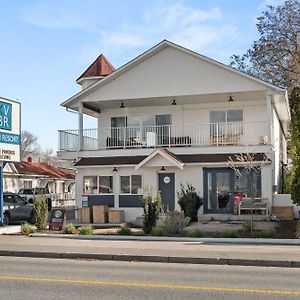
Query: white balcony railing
[210, 134]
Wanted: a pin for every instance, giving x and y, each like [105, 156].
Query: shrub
[230, 233]
[298, 229]
[86, 230]
[124, 230]
[69, 229]
[41, 211]
[189, 202]
[151, 206]
[247, 226]
[158, 231]
[267, 234]
[196, 233]
[27, 229]
[174, 222]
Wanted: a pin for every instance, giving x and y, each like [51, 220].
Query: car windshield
[26, 191]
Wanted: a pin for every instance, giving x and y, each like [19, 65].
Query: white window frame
[97, 181]
[130, 184]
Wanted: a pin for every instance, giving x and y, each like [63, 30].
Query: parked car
[29, 194]
[16, 209]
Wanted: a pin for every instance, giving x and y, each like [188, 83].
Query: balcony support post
[80, 126]
[269, 119]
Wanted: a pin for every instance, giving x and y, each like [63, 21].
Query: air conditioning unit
[263, 140]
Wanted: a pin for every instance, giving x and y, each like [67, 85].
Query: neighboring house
[27, 174]
[169, 117]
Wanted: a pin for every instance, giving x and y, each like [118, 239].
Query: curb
[246, 241]
[153, 258]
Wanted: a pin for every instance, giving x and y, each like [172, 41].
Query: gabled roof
[41, 169]
[152, 51]
[166, 154]
[100, 67]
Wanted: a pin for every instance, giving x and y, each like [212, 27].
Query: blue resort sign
[10, 128]
[5, 115]
[10, 140]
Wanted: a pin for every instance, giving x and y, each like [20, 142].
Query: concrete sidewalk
[152, 251]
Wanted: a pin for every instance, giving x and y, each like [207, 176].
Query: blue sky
[46, 45]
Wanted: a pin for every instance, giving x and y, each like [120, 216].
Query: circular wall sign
[167, 179]
[58, 214]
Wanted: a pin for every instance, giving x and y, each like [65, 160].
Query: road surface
[39, 278]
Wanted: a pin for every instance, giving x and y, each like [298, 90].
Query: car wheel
[5, 219]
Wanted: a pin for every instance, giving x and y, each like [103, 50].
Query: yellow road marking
[164, 286]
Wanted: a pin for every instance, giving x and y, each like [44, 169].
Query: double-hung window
[131, 184]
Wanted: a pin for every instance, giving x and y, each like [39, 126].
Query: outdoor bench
[259, 205]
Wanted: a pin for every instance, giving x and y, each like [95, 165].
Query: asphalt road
[35, 278]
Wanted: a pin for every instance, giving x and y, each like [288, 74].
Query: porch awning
[184, 158]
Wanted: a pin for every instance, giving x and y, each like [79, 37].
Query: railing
[210, 134]
[63, 199]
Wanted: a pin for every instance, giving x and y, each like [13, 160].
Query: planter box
[85, 215]
[116, 216]
[283, 212]
[100, 214]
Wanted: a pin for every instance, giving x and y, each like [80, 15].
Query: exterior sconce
[230, 99]
[174, 102]
[115, 169]
[163, 168]
[122, 105]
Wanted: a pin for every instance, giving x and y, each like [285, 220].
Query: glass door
[218, 190]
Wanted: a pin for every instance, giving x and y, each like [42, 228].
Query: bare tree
[275, 56]
[249, 163]
[29, 144]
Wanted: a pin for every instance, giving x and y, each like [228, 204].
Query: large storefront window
[131, 184]
[105, 184]
[247, 184]
[90, 184]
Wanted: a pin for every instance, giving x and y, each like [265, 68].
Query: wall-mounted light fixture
[115, 169]
[122, 105]
[163, 168]
[230, 99]
[174, 102]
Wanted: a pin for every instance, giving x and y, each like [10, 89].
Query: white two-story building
[169, 117]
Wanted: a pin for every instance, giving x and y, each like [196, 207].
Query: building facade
[172, 117]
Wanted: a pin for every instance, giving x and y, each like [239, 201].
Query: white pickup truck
[29, 193]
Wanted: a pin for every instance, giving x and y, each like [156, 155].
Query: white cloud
[195, 28]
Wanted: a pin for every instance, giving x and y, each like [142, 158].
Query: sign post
[10, 138]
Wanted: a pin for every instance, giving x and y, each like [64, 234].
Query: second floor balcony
[200, 135]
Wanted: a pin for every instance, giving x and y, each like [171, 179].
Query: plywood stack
[116, 216]
[86, 215]
[100, 214]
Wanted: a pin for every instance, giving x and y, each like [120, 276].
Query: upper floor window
[222, 116]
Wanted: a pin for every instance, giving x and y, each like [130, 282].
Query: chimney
[29, 159]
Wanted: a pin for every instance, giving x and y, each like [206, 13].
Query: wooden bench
[259, 205]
